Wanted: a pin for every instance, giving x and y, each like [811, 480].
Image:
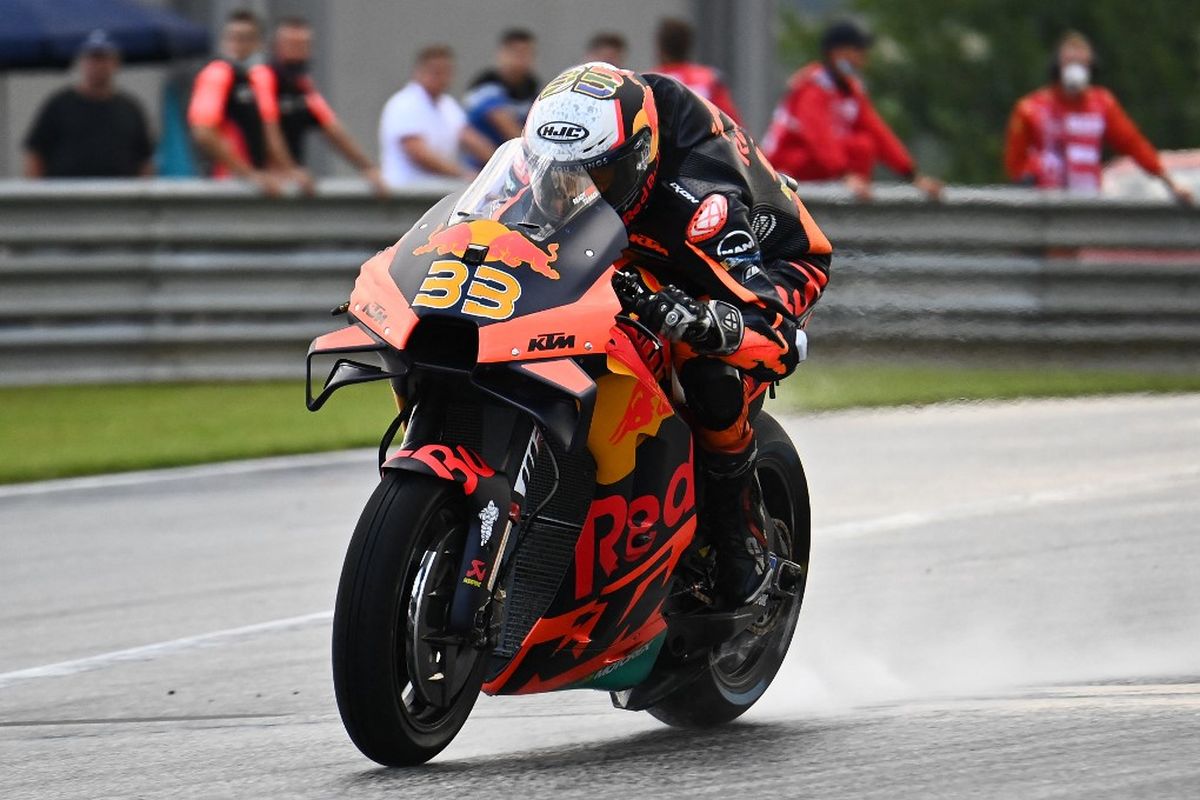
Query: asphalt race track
[1005, 602]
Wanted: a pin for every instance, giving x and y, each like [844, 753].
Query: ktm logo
[376, 312]
[641, 240]
[551, 341]
[562, 132]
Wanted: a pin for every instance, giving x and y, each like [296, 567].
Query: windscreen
[520, 188]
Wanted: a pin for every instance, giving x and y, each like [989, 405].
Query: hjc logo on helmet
[562, 132]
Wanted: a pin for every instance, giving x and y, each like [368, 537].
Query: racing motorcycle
[536, 527]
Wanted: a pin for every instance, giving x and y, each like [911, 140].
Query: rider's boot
[735, 525]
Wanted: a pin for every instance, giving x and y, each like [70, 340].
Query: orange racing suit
[720, 223]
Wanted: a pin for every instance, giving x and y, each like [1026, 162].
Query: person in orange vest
[1056, 134]
[293, 103]
[826, 128]
[674, 49]
[224, 111]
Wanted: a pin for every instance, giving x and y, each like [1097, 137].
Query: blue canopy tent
[40, 34]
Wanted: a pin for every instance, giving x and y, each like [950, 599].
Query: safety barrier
[182, 280]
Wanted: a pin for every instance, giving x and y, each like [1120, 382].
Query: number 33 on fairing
[491, 293]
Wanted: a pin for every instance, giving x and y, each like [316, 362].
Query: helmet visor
[560, 190]
[518, 186]
[620, 179]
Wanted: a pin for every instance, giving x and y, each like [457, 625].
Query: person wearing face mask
[291, 102]
[826, 128]
[1056, 134]
[224, 113]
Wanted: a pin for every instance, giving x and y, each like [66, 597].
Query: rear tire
[411, 529]
[720, 693]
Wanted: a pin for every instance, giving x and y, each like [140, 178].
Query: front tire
[400, 572]
[729, 685]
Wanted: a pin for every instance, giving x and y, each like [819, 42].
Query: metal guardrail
[186, 280]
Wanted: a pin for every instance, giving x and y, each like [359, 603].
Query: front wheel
[739, 671]
[404, 688]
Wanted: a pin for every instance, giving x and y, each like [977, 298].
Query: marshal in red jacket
[825, 127]
[1055, 140]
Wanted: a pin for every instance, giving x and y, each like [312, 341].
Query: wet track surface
[1005, 602]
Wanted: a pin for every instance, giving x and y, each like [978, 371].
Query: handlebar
[689, 325]
[630, 289]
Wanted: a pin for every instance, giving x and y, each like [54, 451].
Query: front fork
[495, 482]
[490, 534]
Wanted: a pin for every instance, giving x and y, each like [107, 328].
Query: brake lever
[628, 288]
[641, 326]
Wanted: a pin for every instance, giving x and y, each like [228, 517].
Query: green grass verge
[59, 431]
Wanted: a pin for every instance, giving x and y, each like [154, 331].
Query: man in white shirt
[423, 130]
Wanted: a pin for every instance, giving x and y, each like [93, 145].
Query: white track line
[845, 530]
[150, 651]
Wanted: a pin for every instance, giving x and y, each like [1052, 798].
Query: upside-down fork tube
[488, 539]
[494, 482]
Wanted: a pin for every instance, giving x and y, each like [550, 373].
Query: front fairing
[527, 298]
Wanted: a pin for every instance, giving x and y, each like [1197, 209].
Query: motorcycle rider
[734, 260]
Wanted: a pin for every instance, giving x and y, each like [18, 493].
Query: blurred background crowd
[1033, 275]
[972, 92]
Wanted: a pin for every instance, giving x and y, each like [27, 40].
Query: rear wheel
[739, 671]
[404, 687]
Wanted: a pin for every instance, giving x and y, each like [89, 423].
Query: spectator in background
[1056, 134]
[294, 104]
[499, 98]
[91, 129]
[675, 39]
[825, 127]
[423, 130]
[609, 47]
[225, 113]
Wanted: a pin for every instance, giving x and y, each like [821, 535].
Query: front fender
[457, 463]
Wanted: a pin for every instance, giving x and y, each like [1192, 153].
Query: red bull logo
[644, 407]
[504, 245]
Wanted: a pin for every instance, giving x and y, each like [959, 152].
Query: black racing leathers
[719, 222]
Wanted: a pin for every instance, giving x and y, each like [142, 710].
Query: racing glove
[712, 328]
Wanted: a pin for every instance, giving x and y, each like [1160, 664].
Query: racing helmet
[594, 125]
